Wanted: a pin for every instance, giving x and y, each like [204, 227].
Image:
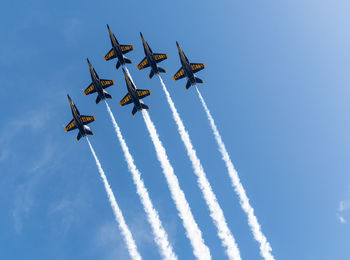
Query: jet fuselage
[150, 57]
[76, 117]
[116, 47]
[187, 67]
[97, 83]
[132, 91]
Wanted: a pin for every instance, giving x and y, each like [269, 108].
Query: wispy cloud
[344, 206]
[32, 120]
[24, 198]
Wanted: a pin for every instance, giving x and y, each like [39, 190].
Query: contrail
[216, 212]
[129, 240]
[265, 248]
[161, 237]
[201, 251]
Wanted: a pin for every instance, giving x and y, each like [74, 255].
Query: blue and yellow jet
[151, 59]
[79, 121]
[188, 69]
[134, 96]
[118, 50]
[98, 85]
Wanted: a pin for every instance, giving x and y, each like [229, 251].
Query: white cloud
[344, 206]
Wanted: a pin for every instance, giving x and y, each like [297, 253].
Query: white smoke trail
[201, 251]
[265, 248]
[216, 212]
[129, 240]
[161, 237]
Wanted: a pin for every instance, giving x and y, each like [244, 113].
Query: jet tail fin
[127, 60]
[161, 70]
[117, 65]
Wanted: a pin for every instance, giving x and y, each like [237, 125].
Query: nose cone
[89, 64]
[109, 30]
[70, 100]
[178, 46]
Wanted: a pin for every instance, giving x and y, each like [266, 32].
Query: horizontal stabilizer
[117, 65]
[127, 60]
[188, 84]
[161, 70]
[151, 74]
[98, 99]
[107, 95]
[198, 80]
[143, 106]
[88, 131]
[134, 110]
[79, 136]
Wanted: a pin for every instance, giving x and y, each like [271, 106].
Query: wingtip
[83, 92]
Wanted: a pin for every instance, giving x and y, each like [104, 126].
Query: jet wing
[71, 126]
[87, 119]
[160, 57]
[110, 55]
[141, 93]
[126, 100]
[90, 89]
[106, 83]
[197, 67]
[126, 48]
[179, 74]
[143, 64]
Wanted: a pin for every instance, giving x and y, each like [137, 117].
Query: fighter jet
[151, 59]
[188, 69]
[118, 51]
[79, 121]
[98, 85]
[134, 95]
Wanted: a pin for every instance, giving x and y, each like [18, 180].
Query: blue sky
[277, 84]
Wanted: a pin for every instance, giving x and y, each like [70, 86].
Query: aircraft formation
[134, 95]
